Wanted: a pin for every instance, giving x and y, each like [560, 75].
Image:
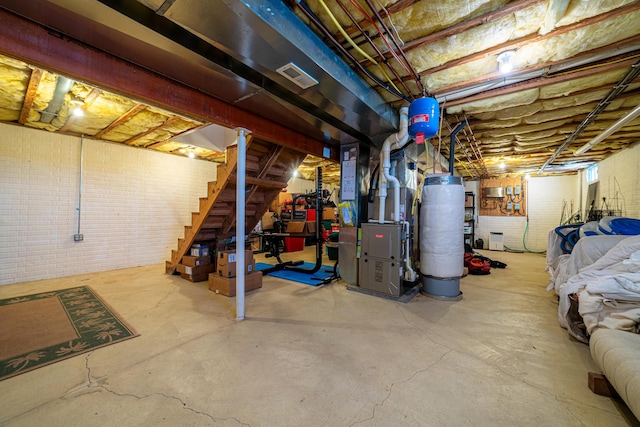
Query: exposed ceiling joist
[22, 39]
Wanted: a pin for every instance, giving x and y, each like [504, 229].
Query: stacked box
[195, 261]
[199, 249]
[223, 280]
[227, 285]
[226, 263]
[328, 213]
[195, 274]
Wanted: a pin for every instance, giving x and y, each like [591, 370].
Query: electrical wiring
[439, 136]
[404, 65]
[388, 16]
[373, 45]
[316, 21]
[354, 45]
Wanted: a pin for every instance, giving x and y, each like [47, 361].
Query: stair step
[168, 267]
[268, 169]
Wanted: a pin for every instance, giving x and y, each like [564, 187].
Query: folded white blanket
[608, 290]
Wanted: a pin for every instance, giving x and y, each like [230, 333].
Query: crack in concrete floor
[91, 383]
[393, 384]
[569, 403]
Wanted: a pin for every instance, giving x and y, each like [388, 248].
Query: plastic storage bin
[293, 244]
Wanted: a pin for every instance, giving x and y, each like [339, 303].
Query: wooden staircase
[269, 167]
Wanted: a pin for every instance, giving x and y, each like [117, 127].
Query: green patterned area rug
[40, 329]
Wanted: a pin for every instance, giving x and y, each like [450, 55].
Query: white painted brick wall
[545, 201]
[135, 204]
[619, 178]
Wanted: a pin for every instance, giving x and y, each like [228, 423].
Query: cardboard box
[227, 263]
[195, 277]
[255, 243]
[195, 261]
[284, 197]
[468, 200]
[227, 285]
[202, 269]
[296, 226]
[267, 221]
[329, 213]
[310, 227]
[199, 249]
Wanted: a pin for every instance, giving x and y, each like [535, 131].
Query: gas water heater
[388, 246]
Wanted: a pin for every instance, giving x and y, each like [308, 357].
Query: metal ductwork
[269, 38]
[53, 108]
[232, 50]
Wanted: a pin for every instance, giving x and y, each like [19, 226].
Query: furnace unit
[381, 259]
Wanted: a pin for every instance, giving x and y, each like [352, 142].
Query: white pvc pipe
[382, 194]
[240, 209]
[410, 275]
[397, 140]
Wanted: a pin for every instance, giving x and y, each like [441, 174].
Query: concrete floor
[323, 356]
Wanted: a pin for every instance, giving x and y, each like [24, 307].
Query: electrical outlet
[509, 190]
[78, 237]
[509, 206]
[516, 190]
[516, 206]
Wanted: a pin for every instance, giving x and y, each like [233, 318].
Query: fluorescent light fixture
[504, 61]
[613, 128]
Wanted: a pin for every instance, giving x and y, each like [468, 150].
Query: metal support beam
[37, 45]
[241, 169]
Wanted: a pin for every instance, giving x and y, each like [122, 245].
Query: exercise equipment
[275, 240]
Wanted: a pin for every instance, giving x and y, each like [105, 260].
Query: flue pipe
[396, 140]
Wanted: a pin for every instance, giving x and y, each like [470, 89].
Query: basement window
[592, 174]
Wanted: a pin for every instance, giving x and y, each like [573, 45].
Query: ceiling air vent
[294, 73]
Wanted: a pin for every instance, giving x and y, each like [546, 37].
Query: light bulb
[505, 67]
[192, 155]
[504, 61]
[78, 112]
